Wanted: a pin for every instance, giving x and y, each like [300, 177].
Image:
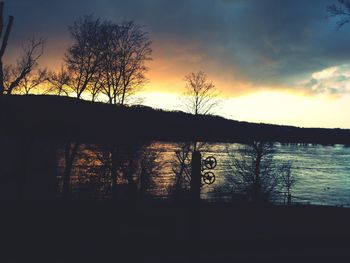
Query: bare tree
[110, 68]
[288, 181]
[129, 47]
[12, 76]
[150, 168]
[95, 87]
[255, 174]
[84, 57]
[32, 81]
[59, 82]
[341, 10]
[135, 49]
[200, 98]
[200, 95]
[107, 58]
[122, 73]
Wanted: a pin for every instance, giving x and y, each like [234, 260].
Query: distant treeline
[54, 117]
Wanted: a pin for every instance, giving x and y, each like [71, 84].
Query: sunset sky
[273, 61]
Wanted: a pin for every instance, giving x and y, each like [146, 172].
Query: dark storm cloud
[265, 42]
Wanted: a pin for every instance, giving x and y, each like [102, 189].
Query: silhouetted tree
[94, 89]
[200, 95]
[110, 70]
[109, 167]
[13, 76]
[255, 174]
[150, 168]
[131, 164]
[70, 153]
[107, 58]
[84, 57]
[91, 173]
[119, 74]
[83, 60]
[59, 82]
[135, 49]
[200, 98]
[32, 81]
[123, 69]
[288, 181]
[341, 10]
[100, 165]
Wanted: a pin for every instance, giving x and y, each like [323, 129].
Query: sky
[273, 61]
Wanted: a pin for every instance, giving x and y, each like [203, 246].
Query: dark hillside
[63, 117]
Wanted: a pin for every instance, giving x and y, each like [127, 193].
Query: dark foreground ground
[165, 232]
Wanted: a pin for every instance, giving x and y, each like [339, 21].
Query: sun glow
[271, 107]
[288, 109]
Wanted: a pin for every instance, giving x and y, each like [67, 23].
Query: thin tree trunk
[114, 170]
[70, 154]
[131, 183]
[123, 96]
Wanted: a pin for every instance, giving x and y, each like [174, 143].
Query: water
[322, 172]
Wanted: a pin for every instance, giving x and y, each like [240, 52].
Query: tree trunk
[131, 183]
[114, 170]
[123, 96]
[70, 154]
[3, 46]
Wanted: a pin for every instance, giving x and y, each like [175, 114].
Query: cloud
[332, 81]
[257, 43]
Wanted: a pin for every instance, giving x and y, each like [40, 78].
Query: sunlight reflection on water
[322, 172]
